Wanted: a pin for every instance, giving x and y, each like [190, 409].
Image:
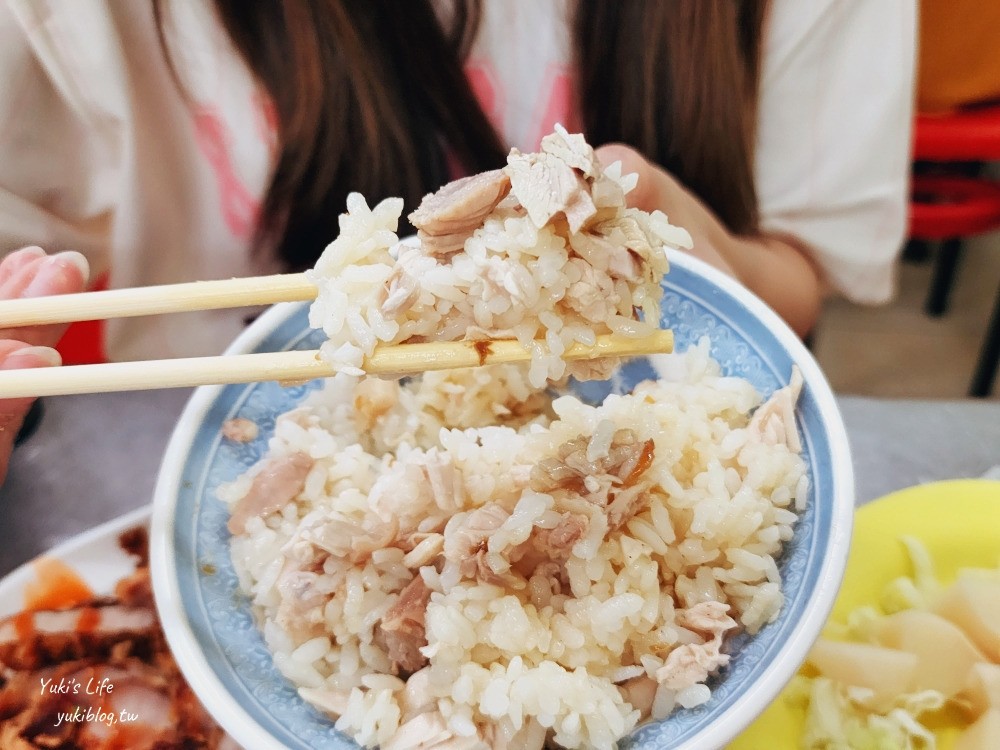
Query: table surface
[95, 457]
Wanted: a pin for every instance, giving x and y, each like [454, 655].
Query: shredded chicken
[445, 219]
[692, 663]
[373, 398]
[709, 617]
[625, 264]
[592, 296]
[546, 186]
[428, 731]
[774, 421]
[573, 149]
[563, 178]
[303, 593]
[401, 292]
[612, 481]
[240, 430]
[624, 462]
[326, 699]
[319, 538]
[625, 231]
[557, 542]
[625, 503]
[466, 536]
[402, 627]
[640, 692]
[445, 480]
[277, 483]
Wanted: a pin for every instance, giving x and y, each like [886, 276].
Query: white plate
[95, 556]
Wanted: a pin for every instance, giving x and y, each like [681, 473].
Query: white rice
[519, 654]
[465, 559]
[521, 272]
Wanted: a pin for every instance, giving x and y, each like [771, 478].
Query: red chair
[950, 201]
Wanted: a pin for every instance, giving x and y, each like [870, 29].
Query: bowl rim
[739, 714]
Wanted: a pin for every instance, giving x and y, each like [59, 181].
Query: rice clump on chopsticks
[466, 560]
[543, 249]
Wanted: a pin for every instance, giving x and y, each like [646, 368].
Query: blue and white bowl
[211, 629]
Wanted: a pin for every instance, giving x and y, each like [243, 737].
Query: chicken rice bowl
[468, 559]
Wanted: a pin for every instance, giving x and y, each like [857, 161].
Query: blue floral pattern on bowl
[221, 627]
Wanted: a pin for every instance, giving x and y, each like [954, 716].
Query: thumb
[16, 355]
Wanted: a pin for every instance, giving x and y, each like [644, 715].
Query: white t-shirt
[100, 153]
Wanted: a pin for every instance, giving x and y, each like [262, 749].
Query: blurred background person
[175, 140]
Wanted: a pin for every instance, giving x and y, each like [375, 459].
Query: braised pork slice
[30, 640]
[152, 708]
[98, 675]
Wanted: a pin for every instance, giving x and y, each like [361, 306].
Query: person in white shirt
[175, 140]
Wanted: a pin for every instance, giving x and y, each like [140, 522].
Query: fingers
[15, 355]
[17, 260]
[32, 273]
[27, 274]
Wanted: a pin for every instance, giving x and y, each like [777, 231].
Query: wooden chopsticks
[298, 366]
[156, 300]
[284, 367]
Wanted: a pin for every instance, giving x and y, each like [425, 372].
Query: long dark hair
[677, 80]
[370, 96]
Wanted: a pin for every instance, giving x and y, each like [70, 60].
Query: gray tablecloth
[95, 457]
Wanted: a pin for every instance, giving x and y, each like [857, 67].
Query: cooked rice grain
[563, 558]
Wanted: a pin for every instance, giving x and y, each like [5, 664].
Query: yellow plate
[960, 524]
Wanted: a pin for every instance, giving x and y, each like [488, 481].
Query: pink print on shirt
[239, 206]
[558, 108]
[483, 81]
[553, 105]
[266, 116]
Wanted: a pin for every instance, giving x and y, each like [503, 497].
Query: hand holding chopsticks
[293, 366]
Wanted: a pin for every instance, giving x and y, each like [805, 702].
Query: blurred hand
[30, 272]
[778, 268]
[658, 190]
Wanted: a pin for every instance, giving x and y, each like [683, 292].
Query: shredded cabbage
[861, 621]
[843, 717]
[902, 593]
[923, 567]
[916, 591]
[839, 717]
